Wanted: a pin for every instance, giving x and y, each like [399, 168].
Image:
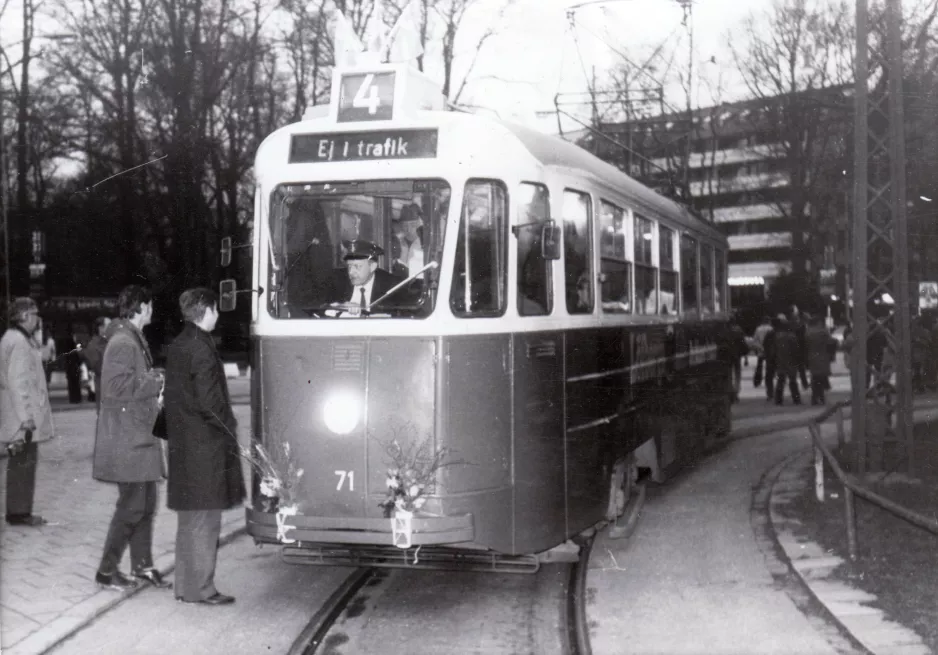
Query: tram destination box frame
[382, 145]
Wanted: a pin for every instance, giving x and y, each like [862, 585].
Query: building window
[689, 261]
[615, 269]
[668, 271]
[577, 258]
[535, 284]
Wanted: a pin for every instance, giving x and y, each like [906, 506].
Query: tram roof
[547, 150]
[551, 150]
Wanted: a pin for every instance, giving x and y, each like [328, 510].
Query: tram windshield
[312, 227]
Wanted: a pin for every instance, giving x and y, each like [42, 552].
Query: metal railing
[851, 486]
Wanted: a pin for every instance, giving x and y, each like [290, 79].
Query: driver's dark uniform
[341, 289]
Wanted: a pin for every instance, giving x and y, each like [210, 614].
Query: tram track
[415, 612]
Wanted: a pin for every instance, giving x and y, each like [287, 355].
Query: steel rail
[851, 485]
[315, 631]
[578, 635]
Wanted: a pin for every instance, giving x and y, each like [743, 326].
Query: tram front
[367, 243]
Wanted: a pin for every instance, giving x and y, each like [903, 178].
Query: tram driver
[362, 282]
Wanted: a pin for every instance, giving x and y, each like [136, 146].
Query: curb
[814, 567]
[86, 612]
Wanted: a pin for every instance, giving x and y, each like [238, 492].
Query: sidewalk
[47, 585]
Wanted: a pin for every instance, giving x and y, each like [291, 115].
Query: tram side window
[689, 274]
[577, 260]
[667, 264]
[535, 284]
[646, 277]
[719, 280]
[479, 279]
[706, 278]
[615, 269]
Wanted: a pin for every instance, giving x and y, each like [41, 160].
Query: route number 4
[367, 95]
[343, 476]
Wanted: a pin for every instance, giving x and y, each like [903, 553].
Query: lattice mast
[880, 263]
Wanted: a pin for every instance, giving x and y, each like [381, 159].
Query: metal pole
[859, 263]
[851, 524]
[901, 328]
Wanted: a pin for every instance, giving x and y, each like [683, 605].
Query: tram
[556, 329]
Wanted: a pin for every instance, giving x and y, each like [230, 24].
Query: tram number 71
[343, 476]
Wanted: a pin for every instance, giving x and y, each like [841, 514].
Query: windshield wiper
[404, 283]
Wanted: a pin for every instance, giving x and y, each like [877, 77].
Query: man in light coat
[125, 450]
[205, 474]
[25, 413]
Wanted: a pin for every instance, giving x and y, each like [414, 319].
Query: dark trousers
[792, 379]
[819, 384]
[21, 481]
[769, 379]
[73, 379]
[132, 524]
[196, 553]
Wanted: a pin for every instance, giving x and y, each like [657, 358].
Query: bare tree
[796, 54]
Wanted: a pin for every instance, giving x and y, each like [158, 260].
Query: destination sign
[363, 146]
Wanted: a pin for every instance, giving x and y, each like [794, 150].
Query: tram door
[538, 438]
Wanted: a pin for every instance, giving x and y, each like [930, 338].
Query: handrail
[851, 486]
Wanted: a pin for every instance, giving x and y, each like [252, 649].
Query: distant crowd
[788, 348]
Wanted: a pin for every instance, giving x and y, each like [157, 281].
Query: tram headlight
[341, 412]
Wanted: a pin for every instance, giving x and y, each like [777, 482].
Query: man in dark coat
[788, 357]
[204, 463]
[364, 282]
[125, 450]
[821, 349]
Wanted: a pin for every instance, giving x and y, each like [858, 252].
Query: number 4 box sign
[382, 92]
[366, 97]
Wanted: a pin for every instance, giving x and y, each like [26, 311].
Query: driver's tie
[362, 302]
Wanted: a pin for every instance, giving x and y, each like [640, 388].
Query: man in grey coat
[204, 463]
[125, 450]
[25, 413]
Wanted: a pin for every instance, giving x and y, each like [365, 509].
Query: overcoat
[125, 449]
[204, 461]
[23, 391]
[820, 346]
[787, 351]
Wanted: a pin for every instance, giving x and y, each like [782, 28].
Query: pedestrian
[72, 369]
[921, 341]
[25, 413]
[820, 346]
[205, 474]
[93, 354]
[799, 327]
[125, 450]
[48, 351]
[787, 358]
[769, 347]
[737, 349]
[758, 337]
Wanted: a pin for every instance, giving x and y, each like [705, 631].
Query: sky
[536, 53]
